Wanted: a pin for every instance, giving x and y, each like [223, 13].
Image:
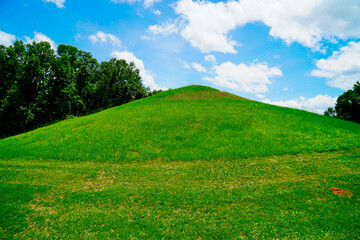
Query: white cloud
[6, 39]
[208, 24]
[307, 22]
[316, 104]
[147, 3]
[40, 37]
[185, 64]
[343, 67]
[164, 29]
[150, 3]
[198, 67]
[105, 38]
[251, 78]
[59, 3]
[260, 96]
[146, 75]
[78, 37]
[210, 58]
[157, 12]
[145, 37]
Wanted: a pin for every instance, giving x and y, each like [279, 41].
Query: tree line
[39, 86]
[347, 105]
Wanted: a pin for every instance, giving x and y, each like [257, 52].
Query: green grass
[190, 123]
[189, 163]
[285, 197]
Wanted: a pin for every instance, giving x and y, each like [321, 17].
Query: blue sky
[301, 54]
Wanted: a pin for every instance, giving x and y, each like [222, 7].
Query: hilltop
[189, 123]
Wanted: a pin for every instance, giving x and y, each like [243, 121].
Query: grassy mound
[190, 123]
[138, 183]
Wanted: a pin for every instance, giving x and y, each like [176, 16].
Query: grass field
[189, 163]
[287, 197]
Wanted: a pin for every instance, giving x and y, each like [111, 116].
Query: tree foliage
[330, 112]
[347, 106]
[39, 86]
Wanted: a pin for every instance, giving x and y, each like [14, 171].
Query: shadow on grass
[13, 198]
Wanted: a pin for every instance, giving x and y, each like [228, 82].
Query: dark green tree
[347, 106]
[153, 92]
[119, 82]
[330, 112]
[39, 86]
[12, 113]
[34, 83]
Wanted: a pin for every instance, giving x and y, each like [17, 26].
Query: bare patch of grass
[203, 95]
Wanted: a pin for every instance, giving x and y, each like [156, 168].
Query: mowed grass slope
[189, 163]
[190, 123]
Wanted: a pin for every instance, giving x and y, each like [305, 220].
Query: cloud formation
[105, 38]
[164, 29]
[307, 22]
[185, 64]
[198, 67]
[59, 3]
[157, 12]
[40, 37]
[208, 25]
[250, 78]
[6, 39]
[342, 67]
[150, 3]
[316, 104]
[146, 76]
[210, 58]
